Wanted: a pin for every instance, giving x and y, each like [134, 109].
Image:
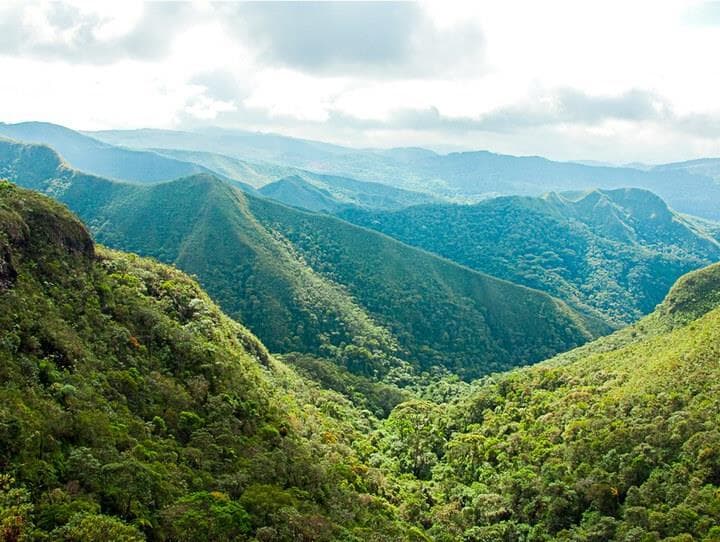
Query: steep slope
[613, 252]
[470, 175]
[315, 284]
[98, 158]
[296, 192]
[618, 441]
[132, 408]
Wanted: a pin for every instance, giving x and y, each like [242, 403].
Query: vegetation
[612, 253]
[314, 284]
[132, 408]
[615, 441]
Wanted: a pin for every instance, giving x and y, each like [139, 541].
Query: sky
[610, 81]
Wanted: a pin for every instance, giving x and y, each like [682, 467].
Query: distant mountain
[470, 175]
[344, 190]
[236, 143]
[609, 252]
[156, 165]
[313, 283]
[617, 440]
[297, 192]
[709, 167]
[98, 158]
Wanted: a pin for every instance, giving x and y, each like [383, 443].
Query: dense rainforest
[611, 253]
[364, 399]
[132, 408]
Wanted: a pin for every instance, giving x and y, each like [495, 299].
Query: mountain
[100, 158]
[344, 190]
[460, 175]
[131, 408]
[617, 440]
[235, 143]
[154, 165]
[709, 167]
[613, 253]
[312, 283]
[297, 192]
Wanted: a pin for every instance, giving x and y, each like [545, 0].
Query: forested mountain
[297, 192]
[469, 175]
[610, 252]
[617, 440]
[132, 408]
[98, 158]
[315, 284]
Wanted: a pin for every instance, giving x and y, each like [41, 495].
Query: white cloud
[620, 81]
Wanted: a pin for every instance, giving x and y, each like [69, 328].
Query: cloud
[354, 37]
[562, 106]
[704, 13]
[219, 85]
[62, 31]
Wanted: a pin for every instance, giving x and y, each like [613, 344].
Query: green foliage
[131, 408]
[617, 441]
[313, 284]
[611, 254]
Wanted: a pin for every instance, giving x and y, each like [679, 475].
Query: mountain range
[613, 253]
[465, 176]
[133, 409]
[312, 283]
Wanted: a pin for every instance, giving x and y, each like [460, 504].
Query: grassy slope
[610, 253]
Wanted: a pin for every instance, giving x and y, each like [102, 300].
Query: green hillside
[314, 284]
[615, 441]
[132, 408]
[296, 192]
[613, 253]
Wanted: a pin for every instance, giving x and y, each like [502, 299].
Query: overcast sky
[602, 80]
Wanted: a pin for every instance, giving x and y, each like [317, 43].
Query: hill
[469, 175]
[709, 167]
[312, 283]
[155, 165]
[297, 192]
[131, 408]
[98, 158]
[613, 253]
[615, 441]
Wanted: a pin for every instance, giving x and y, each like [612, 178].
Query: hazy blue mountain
[612, 252]
[155, 165]
[344, 190]
[709, 167]
[99, 158]
[469, 175]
